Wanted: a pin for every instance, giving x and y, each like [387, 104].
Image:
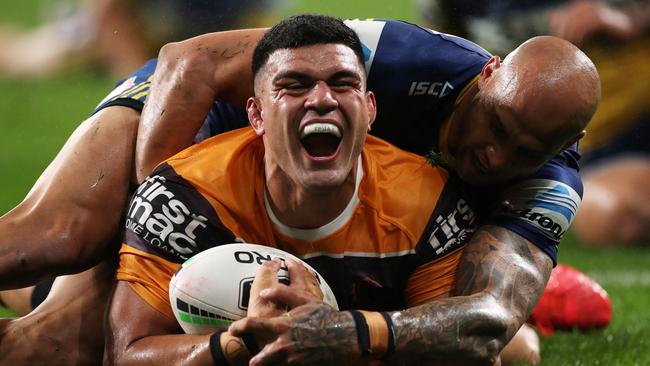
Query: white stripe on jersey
[359, 254]
[369, 32]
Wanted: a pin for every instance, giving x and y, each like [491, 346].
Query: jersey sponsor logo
[369, 32]
[160, 218]
[438, 89]
[453, 229]
[546, 204]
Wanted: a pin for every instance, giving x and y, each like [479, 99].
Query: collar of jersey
[444, 130]
[325, 230]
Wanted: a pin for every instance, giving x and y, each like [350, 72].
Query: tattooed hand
[311, 334]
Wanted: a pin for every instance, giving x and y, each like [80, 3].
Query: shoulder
[393, 168]
[400, 185]
[217, 157]
[395, 43]
[175, 213]
[425, 202]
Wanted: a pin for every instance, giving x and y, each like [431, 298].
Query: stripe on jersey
[369, 33]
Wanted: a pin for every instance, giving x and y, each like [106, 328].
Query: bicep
[130, 318]
[189, 77]
[138, 334]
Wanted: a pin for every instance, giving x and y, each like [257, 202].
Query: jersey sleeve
[167, 222]
[541, 207]
[133, 91]
[416, 75]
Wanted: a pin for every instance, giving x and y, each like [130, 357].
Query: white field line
[621, 278]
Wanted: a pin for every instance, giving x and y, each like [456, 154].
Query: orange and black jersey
[396, 244]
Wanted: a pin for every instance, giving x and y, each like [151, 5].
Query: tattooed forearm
[510, 267]
[322, 329]
[500, 278]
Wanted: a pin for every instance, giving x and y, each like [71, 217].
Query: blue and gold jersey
[417, 76]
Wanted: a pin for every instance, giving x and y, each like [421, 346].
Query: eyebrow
[291, 74]
[300, 76]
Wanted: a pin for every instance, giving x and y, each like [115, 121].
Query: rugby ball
[212, 288]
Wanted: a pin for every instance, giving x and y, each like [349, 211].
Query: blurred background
[58, 59]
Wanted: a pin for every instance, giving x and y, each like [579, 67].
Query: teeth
[321, 128]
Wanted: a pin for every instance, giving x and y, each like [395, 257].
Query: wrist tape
[374, 333]
[219, 357]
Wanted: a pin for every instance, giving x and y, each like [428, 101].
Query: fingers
[303, 279]
[269, 329]
[260, 327]
[286, 295]
[268, 297]
[274, 353]
[266, 276]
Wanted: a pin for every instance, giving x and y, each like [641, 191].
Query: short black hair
[305, 30]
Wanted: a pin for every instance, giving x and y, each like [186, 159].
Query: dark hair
[305, 30]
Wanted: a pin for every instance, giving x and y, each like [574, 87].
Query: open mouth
[321, 140]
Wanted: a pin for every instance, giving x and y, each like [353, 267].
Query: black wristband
[363, 334]
[250, 344]
[217, 352]
[391, 335]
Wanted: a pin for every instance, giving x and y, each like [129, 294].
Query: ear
[492, 65]
[372, 108]
[254, 111]
[574, 140]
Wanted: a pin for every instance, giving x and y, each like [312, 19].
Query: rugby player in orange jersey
[69, 231]
[303, 170]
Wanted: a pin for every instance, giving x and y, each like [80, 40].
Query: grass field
[37, 116]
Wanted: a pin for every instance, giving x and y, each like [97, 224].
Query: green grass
[36, 117]
[624, 273]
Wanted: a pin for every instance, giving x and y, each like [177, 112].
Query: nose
[321, 98]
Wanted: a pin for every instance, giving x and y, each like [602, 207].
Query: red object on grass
[571, 300]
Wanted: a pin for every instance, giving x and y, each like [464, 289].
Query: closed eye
[497, 128]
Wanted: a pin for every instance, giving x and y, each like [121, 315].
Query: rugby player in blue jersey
[500, 122]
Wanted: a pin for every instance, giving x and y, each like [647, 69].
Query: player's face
[495, 148]
[314, 114]
[508, 131]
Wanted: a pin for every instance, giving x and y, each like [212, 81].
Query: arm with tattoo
[501, 277]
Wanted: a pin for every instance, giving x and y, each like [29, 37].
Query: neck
[302, 208]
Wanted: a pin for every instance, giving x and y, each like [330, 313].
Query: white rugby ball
[212, 288]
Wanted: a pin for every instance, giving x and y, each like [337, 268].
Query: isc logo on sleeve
[434, 88]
